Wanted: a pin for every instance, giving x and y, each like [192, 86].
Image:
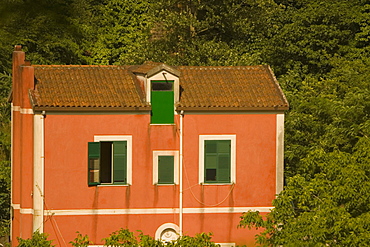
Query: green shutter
[210, 161]
[217, 161]
[224, 161]
[162, 103]
[120, 162]
[93, 163]
[165, 169]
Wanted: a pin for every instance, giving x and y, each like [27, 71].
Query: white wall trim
[22, 110]
[203, 138]
[26, 111]
[279, 152]
[38, 173]
[26, 211]
[136, 211]
[16, 206]
[16, 107]
[157, 153]
[128, 138]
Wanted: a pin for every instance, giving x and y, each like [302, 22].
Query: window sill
[162, 124]
[113, 185]
[232, 183]
[163, 184]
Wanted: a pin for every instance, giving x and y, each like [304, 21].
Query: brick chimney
[19, 58]
[22, 145]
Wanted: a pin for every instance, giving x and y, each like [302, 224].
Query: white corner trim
[157, 153]
[279, 152]
[165, 226]
[128, 138]
[203, 138]
[16, 206]
[38, 173]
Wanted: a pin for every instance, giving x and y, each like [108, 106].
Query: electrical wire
[199, 201]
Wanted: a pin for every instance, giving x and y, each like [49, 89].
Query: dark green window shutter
[165, 169]
[120, 162]
[224, 158]
[162, 102]
[93, 163]
[217, 161]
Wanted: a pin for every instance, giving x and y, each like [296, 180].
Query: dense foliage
[318, 49]
[122, 238]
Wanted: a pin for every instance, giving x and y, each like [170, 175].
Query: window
[217, 159]
[162, 101]
[109, 160]
[165, 167]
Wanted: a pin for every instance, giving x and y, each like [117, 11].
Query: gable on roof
[123, 88]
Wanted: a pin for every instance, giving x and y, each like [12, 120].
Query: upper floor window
[217, 159]
[109, 160]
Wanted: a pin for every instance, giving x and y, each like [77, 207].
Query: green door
[162, 100]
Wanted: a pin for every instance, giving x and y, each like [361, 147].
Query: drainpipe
[180, 172]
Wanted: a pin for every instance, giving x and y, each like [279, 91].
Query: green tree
[119, 32]
[38, 240]
[331, 209]
[124, 237]
[5, 81]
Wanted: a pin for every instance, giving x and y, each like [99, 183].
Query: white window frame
[202, 139]
[173, 153]
[128, 139]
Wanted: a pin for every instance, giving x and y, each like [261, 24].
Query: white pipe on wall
[180, 173]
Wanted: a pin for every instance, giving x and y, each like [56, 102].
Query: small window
[217, 159]
[107, 162]
[162, 86]
[165, 167]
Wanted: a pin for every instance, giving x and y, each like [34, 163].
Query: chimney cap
[18, 48]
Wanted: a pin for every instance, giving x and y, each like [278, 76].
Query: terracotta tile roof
[144, 68]
[86, 87]
[231, 88]
[112, 88]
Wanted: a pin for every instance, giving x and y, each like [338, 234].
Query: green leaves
[124, 237]
[329, 209]
[38, 239]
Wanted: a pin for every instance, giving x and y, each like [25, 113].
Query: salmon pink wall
[255, 159]
[66, 138]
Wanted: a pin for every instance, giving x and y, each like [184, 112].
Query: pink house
[164, 149]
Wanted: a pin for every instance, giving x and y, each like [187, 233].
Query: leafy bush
[38, 240]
